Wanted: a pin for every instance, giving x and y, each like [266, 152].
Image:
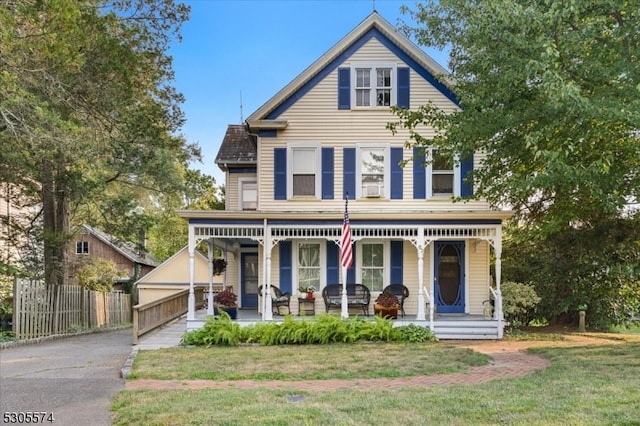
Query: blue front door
[449, 276]
[249, 280]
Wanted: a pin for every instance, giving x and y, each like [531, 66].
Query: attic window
[373, 84]
[82, 247]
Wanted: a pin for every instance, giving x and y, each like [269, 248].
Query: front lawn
[585, 385]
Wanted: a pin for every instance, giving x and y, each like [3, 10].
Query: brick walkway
[508, 361]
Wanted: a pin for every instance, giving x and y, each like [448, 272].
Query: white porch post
[210, 296]
[498, 311]
[420, 316]
[191, 309]
[267, 310]
[432, 291]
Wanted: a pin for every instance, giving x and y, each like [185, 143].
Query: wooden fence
[42, 311]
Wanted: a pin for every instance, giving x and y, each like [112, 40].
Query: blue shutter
[466, 188]
[349, 172]
[333, 259]
[396, 173]
[419, 171]
[403, 88]
[280, 173]
[286, 259]
[327, 173]
[271, 133]
[344, 88]
[396, 262]
[351, 272]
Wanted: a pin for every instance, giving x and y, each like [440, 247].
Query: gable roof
[238, 148]
[125, 248]
[374, 26]
[175, 270]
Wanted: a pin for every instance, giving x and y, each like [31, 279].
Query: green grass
[588, 385]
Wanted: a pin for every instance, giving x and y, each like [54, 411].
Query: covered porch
[417, 236]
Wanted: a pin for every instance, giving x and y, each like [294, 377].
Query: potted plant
[386, 305]
[219, 266]
[226, 301]
[309, 290]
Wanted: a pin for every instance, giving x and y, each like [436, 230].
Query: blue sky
[255, 47]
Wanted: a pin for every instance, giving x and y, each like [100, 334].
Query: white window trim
[387, 168]
[318, 168]
[373, 66]
[386, 279]
[323, 263]
[85, 253]
[456, 177]
[241, 182]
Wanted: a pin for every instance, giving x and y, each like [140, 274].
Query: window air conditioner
[372, 191]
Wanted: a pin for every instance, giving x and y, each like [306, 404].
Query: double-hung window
[373, 261]
[373, 170]
[373, 84]
[248, 194]
[308, 269]
[443, 175]
[82, 247]
[304, 170]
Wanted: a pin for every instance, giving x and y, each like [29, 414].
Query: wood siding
[316, 118]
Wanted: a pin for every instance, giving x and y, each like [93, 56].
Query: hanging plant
[219, 266]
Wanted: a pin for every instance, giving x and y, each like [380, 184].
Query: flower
[226, 298]
[309, 289]
[386, 299]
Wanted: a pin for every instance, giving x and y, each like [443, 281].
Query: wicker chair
[401, 292]
[278, 299]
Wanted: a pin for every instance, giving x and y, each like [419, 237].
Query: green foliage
[98, 275]
[549, 91]
[572, 267]
[518, 302]
[219, 330]
[415, 334]
[322, 329]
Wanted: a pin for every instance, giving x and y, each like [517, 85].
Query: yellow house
[322, 140]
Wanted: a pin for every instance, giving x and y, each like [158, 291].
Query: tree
[87, 111]
[549, 92]
[549, 97]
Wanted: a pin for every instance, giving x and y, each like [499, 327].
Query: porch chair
[401, 292]
[278, 299]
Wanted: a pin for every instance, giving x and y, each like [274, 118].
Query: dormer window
[373, 85]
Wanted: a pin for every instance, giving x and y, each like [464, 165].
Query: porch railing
[149, 316]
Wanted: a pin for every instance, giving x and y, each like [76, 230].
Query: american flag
[346, 255]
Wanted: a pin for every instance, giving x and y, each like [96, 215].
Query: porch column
[420, 316]
[191, 309]
[498, 313]
[210, 258]
[267, 310]
[344, 313]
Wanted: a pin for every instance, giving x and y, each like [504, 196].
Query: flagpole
[346, 257]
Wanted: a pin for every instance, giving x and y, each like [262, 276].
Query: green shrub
[322, 329]
[415, 334]
[518, 302]
[218, 330]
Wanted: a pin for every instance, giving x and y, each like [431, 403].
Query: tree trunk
[55, 214]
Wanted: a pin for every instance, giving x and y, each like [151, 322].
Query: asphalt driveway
[72, 378]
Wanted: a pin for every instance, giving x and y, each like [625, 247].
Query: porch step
[468, 330]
